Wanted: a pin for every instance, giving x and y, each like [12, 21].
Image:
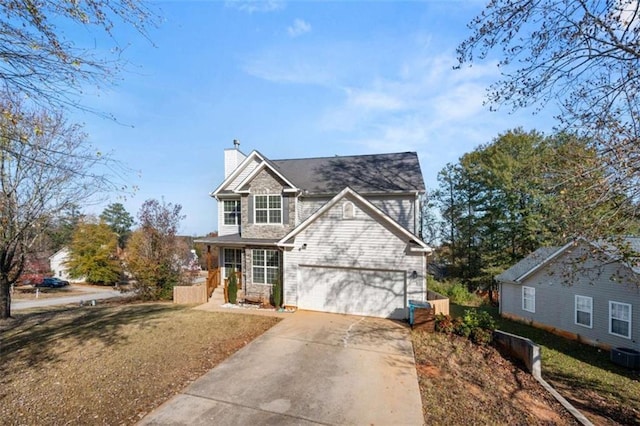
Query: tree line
[106, 250]
[519, 192]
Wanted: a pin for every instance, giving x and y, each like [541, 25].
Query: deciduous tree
[93, 254]
[521, 191]
[40, 61]
[583, 55]
[46, 167]
[155, 256]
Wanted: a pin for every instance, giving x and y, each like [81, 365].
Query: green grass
[584, 371]
[455, 291]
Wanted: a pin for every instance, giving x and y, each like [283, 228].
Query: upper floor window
[231, 212]
[268, 208]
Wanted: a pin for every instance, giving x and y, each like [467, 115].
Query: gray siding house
[339, 232]
[583, 290]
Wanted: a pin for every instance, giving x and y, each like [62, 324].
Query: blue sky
[291, 79]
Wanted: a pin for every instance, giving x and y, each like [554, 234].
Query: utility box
[628, 358]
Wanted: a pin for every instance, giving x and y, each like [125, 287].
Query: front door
[233, 262]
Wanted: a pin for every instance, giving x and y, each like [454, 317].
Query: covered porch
[256, 262]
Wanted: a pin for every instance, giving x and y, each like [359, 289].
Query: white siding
[232, 159]
[402, 209]
[361, 242]
[245, 172]
[556, 286]
[308, 206]
[222, 228]
[59, 269]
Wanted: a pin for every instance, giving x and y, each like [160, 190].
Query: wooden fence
[190, 294]
[439, 302]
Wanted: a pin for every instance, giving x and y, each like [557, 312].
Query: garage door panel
[357, 292]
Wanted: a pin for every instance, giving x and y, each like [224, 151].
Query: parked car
[53, 282]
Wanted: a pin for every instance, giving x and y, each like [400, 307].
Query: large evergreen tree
[522, 191]
[583, 56]
[119, 220]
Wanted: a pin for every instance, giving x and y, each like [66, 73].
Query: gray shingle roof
[526, 264]
[631, 246]
[397, 172]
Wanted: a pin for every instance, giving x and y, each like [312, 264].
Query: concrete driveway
[311, 368]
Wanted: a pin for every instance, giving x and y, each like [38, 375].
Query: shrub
[444, 324]
[232, 287]
[276, 294]
[475, 325]
[481, 336]
[478, 319]
[461, 328]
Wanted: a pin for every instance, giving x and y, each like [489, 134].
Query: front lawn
[110, 364]
[604, 392]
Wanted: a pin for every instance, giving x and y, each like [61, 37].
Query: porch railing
[213, 280]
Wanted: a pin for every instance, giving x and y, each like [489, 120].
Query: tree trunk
[5, 297]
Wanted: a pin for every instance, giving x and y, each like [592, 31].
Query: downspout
[417, 217]
[282, 293]
[426, 275]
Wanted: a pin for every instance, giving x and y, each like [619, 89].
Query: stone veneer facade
[264, 183]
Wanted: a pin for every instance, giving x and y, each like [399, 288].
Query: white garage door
[349, 291]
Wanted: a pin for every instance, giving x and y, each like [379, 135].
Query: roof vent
[236, 144]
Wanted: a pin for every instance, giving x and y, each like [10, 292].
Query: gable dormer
[255, 200]
[268, 203]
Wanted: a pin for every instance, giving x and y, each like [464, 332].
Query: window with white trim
[620, 319]
[231, 212]
[268, 208]
[266, 264]
[584, 311]
[529, 299]
[232, 260]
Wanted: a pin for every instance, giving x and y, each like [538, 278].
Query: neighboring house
[583, 290]
[339, 232]
[59, 269]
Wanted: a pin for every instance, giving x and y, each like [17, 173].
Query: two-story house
[341, 233]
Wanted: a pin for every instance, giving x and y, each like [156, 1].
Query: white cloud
[269, 67]
[403, 95]
[298, 28]
[251, 6]
[373, 100]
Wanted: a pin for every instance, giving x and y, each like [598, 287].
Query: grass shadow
[33, 336]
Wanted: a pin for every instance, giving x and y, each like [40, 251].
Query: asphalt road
[91, 294]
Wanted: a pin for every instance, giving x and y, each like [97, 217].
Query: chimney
[232, 158]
